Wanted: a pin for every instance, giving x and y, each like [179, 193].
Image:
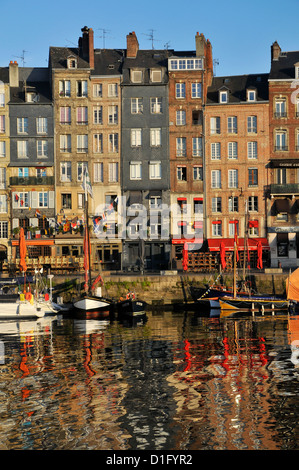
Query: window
[82, 143]
[41, 125]
[252, 124]
[253, 228]
[181, 148]
[232, 150]
[196, 90]
[113, 143]
[22, 125]
[282, 244]
[215, 151]
[65, 143]
[185, 64]
[252, 203]
[81, 87]
[113, 172]
[156, 105]
[216, 204]
[215, 125]
[66, 172]
[281, 140]
[22, 148]
[113, 114]
[71, 62]
[232, 178]
[135, 170]
[180, 90]
[180, 118]
[23, 172]
[280, 108]
[98, 114]
[21, 200]
[197, 147]
[81, 200]
[217, 228]
[251, 95]
[182, 173]
[65, 115]
[233, 228]
[82, 115]
[223, 96]
[281, 175]
[98, 143]
[64, 88]
[196, 117]
[252, 176]
[113, 90]
[136, 137]
[98, 172]
[2, 178]
[42, 148]
[197, 173]
[2, 99]
[136, 105]
[216, 178]
[2, 124]
[136, 76]
[41, 172]
[252, 150]
[97, 90]
[155, 202]
[233, 204]
[156, 75]
[80, 170]
[2, 149]
[66, 201]
[232, 126]
[156, 137]
[43, 199]
[155, 171]
[3, 229]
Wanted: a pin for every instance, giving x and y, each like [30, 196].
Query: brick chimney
[275, 51]
[200, 44]
[209, 63]
[13, 74]
[132, 45]
[86, 46]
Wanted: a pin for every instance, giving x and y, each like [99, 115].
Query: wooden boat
[131, 308]
[233, 306]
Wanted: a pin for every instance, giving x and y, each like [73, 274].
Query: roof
[108, 61]
[58, 57]
[237, 86]
[284, 67]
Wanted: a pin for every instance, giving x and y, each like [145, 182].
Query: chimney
[132, 45]
[13, 74]
[275, 51]
[200, 44]
[86, 46]
[209, 63]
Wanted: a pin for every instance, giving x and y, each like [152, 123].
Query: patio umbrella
[185, 257]
[259, 255]
[222, 255]
[22, 249]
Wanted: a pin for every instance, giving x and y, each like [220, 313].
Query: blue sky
[241, 33]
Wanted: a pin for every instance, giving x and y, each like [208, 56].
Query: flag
[86, 184]
[37, 213]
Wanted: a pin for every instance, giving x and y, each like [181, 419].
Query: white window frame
[156, 137]
[98, 143]
[80, 170]
[136, 105]
[232, 178]
[41, 125]
[181, 147]
[156, 105]
[65, 143]
[181, 117]
[66, 172]
[2, 149]
[97, 90]
[82, 143]
[98, 172]
[113, 172]
[180, 90]
[197, 149]
[113, 143]
[42, 148]
[22, 148]
[136, 137]
[22, 125]
[196, 90]
[98, 114]
[112, 90]
[252, 150]
[232, 150]
[215, 151]
[215, 179]
[215, 125]
[155, 170]
[65, 88]
[232, 125]
[3, 229]
[135, 170]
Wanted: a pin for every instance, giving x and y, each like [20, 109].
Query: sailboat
[254, 304]
[91, 304]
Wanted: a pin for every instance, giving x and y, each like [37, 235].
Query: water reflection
[177, 382]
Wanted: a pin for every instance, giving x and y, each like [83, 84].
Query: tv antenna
[104, 32]
[167, 45]
[22, 57]
[151, 37]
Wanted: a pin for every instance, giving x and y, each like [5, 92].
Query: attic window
[297, 71]
[111, 66]
[136, 76]
[251, 95]
[32, 97]
[156, 75]
[71, 63]
[223, 96]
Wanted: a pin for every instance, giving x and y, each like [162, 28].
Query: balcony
[31, 180]
[284, 188]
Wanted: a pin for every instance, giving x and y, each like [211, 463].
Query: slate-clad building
[145, 172]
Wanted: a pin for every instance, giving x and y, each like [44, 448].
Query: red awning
[34, 242]
[181, 241]
[214, 244]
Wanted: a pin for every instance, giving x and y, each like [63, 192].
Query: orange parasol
[185, 257]
[22, 249]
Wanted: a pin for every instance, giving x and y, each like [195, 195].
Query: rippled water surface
[177, 382]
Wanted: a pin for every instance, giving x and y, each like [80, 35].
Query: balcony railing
[284, 188]
[31, 180]
[281, 148]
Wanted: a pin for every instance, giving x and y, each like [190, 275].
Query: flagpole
[86, 227]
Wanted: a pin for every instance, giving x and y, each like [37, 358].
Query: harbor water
[179, 381]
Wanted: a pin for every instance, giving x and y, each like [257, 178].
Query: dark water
[178, 382]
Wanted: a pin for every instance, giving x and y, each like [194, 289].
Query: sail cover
[292, 286]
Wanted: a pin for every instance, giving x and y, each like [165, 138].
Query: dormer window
[251, 95]
[136, 76]
[223, 96]
[297, 70]
[156, 75]
[32, 97]
[71, 62]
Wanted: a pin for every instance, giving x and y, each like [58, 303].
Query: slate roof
[58, 57]
[237, 86]
[284, 67]
[108, 61]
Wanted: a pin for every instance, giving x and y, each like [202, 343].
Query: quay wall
[172, 288]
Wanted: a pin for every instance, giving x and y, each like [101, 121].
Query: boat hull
[20, 309]
[92, 307]
[256, 306]
[131, 309]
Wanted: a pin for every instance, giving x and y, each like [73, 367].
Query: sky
[241, 33]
